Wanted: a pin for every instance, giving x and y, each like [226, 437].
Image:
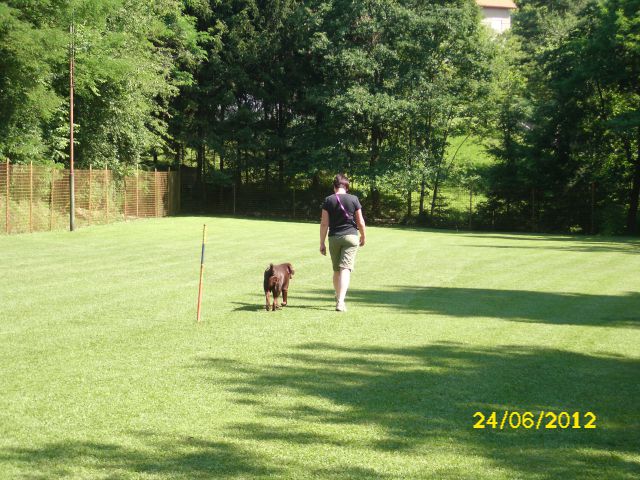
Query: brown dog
[276, 281]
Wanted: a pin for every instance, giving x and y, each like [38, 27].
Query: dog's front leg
[268, 300]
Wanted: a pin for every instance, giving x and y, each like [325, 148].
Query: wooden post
[30, 197]
[8, 199]
[106, 193]
[53, 173]
[155, 189]
[137, 189]
[169, 192]
[125, 198]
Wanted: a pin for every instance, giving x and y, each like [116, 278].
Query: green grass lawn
[105, 374]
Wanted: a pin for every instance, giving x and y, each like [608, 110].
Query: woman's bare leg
[343, 283]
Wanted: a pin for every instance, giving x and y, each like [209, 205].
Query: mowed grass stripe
[106, 374]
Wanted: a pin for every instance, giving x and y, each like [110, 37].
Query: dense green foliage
[119, 382]
[130, 58]
[569, 124]
[273, 93]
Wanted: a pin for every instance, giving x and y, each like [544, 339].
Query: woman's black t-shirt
[339, 223]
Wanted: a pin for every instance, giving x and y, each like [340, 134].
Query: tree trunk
[200, 163]
[201, 154]
[436, 184]
[632, 218]
[178, 157]
[409, 191]
[422, 191]
[376, 135]
[246, 168]
[280, 125]
[238, 166]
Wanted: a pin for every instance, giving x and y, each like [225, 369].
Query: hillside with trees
[268, 95]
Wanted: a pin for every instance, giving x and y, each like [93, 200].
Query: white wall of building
[498, 19]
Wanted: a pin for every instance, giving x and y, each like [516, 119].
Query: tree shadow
[423, 400]
[181, 458]
[632, 242]
[511, 305]
[583, 247]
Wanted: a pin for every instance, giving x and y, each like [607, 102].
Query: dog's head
[290, 269]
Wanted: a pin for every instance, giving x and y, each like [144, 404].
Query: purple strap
[344, 210]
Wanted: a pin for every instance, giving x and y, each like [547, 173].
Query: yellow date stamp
[543, 420]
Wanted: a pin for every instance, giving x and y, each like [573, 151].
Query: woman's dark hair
[341, 181]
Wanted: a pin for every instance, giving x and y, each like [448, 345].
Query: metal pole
[169, 192]
[155, 185]
[125, 198]
[137, 189]
[204, 239]
[106, 193]
[179, 189]
[30, 197]
[72, 193]
[90, 182]
[53, 173]
[7, 196]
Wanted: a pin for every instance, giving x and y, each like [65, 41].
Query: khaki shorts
[343, 251]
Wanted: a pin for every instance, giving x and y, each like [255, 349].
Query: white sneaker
[341, 307]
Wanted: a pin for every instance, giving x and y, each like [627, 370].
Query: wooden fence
[36, 198]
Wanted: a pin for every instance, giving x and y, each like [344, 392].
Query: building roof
[497, 4]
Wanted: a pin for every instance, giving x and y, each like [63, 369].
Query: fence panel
[36, 198]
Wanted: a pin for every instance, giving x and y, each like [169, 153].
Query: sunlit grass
[105, 373]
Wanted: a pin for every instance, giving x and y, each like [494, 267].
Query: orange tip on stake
[204, 239]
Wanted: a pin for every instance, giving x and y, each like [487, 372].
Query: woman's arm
[324, 227]
[361, 226]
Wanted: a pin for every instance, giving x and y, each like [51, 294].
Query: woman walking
[342, 218]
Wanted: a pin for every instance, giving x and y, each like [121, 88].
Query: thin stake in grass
[204, 239]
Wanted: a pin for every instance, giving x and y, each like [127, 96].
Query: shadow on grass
[584, 239]
[578, 246]
[181, 458]
[512, 305]
[322, 406]
[254, 307]
[423, 400]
